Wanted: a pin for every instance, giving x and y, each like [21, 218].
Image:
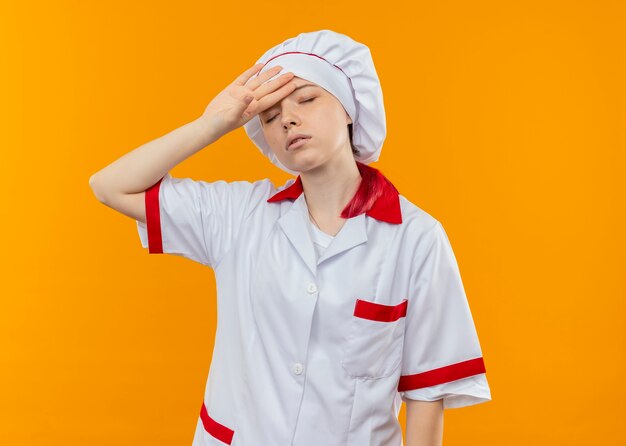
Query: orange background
[505, 122]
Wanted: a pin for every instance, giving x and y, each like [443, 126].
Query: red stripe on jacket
[442, 375]
[215, 429]
[153, 219]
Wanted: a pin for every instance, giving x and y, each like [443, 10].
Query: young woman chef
[338, 298]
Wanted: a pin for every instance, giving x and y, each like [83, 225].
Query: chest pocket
[373, 347]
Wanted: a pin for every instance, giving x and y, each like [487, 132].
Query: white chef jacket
[321, 350]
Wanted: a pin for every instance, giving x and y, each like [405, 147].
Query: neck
[329, 188]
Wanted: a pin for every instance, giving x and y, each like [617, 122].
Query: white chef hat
[344, 68]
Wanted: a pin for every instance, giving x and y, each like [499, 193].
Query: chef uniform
[320, 338]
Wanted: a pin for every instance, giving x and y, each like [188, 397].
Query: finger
[260, 79]
[272, 85]
[267, 100]
[243, 78]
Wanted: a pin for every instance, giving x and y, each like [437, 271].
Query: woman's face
[312, 111]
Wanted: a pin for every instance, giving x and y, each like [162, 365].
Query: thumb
[247, 99]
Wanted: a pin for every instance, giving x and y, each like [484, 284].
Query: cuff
[142, 229]
[150, 232]
[459, 393]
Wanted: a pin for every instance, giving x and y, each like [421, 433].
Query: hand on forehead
[300, 84]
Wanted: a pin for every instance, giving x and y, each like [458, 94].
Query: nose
[288, 116]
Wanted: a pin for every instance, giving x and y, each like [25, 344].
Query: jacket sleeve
[442, 357]
[198, 220]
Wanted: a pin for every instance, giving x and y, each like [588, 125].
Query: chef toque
[344, 68]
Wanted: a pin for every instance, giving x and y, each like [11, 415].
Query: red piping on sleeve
[215, 429]
[442, 375]
[153, 219]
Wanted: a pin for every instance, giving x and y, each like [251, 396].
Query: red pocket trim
[442, 375]
[153, 219]
[215, 429]
[380, 312]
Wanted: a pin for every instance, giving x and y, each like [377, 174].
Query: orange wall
[505, 122]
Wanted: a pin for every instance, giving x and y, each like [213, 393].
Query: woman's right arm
[121, 184]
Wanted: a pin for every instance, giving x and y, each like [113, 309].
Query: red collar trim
[385, 208]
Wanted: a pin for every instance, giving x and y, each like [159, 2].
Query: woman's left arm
[424, 423]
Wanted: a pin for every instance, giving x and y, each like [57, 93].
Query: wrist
[209, 135]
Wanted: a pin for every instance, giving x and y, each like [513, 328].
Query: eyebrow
[297, 88]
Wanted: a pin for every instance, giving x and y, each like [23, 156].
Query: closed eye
[272, 118]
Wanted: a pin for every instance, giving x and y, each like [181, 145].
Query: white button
[298, 368]
[311, 288]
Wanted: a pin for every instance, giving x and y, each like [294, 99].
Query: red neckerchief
[385, 208]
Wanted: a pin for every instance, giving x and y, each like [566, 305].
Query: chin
[300, 162]
[306, 166]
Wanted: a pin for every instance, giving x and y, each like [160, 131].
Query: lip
[299, 143]
[295, 136]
